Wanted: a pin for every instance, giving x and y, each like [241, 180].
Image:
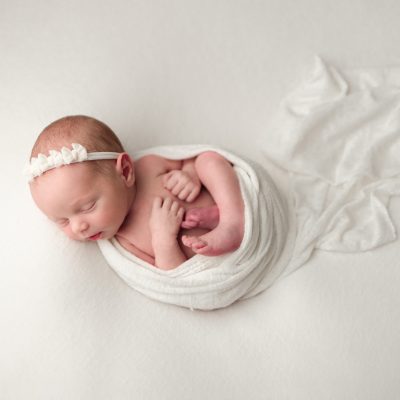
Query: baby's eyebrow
[56, 219]
[79, 203]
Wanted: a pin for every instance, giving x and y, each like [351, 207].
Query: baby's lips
[95, 237]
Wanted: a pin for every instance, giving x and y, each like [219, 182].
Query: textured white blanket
[339, 136]
[213, 282]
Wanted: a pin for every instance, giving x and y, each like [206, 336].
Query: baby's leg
[218, 176]
[201, 217]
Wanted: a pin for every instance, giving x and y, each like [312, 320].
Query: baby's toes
[198, 244]
[187, 240]
[189, 224]
[204, 250]
[193, 242]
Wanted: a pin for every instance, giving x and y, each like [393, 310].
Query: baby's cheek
[67, 231]
[108, 216]
[111, 213]
[104, 216]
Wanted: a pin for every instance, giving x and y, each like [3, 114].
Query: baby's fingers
[169, 180]
[178, 188]
[177, 209]
[174, 184]
[193, 194]
[184, 193]
[181, 213]
[167, 203]
[189, 193]
[157, 202]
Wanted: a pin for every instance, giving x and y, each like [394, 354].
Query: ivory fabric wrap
[208, 283]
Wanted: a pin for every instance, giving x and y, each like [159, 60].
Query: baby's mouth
[95, 237]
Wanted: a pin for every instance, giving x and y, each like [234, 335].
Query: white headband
[40, 164]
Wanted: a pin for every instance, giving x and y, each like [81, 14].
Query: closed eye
[88, 207]
[62, 223]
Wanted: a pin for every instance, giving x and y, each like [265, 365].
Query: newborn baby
[163, 211]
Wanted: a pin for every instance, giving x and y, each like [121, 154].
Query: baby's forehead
[65, 187]
[68, 178]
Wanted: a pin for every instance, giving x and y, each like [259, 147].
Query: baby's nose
[80, 227]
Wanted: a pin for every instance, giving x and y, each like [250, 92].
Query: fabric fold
[214, 282]
[338, 135]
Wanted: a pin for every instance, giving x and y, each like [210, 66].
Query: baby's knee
[209, 158]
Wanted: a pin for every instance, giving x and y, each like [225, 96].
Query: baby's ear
[126, 169]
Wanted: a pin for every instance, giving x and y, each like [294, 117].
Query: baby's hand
[165, 220]
[182, 185]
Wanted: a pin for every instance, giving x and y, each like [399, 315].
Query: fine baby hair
[73, 139]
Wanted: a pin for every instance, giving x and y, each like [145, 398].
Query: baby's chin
[106, 236]
[97, 236]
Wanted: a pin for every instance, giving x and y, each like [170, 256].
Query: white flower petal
[57, 158]
[42, 162]
[67, 155]
[80, 152]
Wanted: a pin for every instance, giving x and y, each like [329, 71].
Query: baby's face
[85, 204]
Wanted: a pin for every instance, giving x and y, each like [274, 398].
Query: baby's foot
[204, 217]
[194, 242]
[222, 239]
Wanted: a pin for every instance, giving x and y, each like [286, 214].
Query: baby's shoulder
[156, 165]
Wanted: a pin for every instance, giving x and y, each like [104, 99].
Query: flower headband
[40, 164]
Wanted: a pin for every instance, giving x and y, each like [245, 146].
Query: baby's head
[86, 199]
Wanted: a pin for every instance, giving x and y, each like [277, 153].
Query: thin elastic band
[42, 163]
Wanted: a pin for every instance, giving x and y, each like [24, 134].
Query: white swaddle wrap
[213, 282]
[340, 141]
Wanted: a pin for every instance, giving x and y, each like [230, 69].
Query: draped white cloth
[339, 136]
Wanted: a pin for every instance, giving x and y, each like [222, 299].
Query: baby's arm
[184, 183]
[165, 220]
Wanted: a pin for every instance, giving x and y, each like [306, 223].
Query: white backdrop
[170, 72]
